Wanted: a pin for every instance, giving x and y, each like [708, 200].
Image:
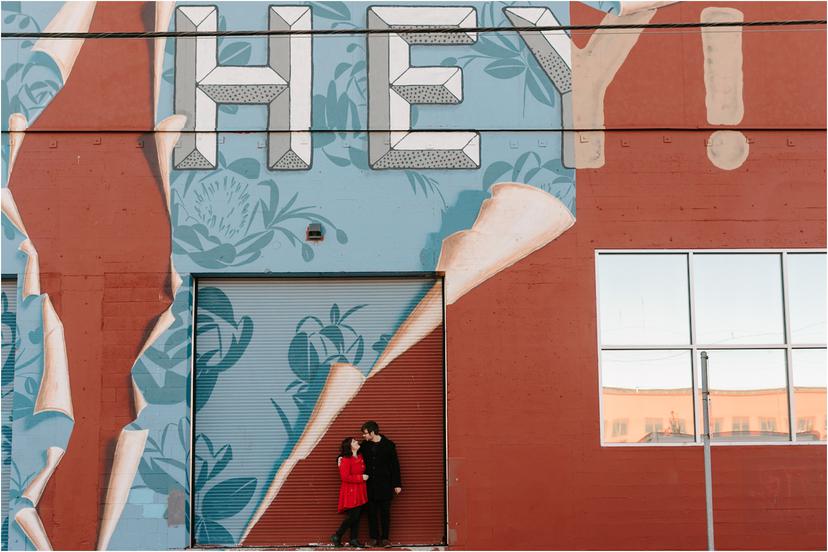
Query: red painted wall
[526, 469]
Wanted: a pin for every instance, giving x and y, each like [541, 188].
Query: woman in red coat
[353, 493]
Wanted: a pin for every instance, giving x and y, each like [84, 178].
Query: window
[652, 425]
[760, 316]
[741, 424]
[767, 424]
[619, 427]
[805, 424]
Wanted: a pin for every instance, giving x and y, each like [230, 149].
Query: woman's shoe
[336, 540]
[355, 544]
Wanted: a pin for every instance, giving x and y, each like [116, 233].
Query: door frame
[197, 278]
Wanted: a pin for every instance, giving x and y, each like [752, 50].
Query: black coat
[382, 467]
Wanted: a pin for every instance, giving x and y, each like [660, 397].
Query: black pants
[351, 521]
[379, 509]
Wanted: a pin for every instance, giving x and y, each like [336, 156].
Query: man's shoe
[371, 542]
[386, 543]
[336, 540]
[356, 544]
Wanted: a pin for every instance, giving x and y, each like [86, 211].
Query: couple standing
[370, 473]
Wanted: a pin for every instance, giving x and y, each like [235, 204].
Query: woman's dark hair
[345, 447]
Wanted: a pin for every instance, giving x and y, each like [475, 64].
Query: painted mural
[393, 142]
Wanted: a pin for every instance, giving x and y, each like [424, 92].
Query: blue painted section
[32, 434]
[10, 341]
[30, 79]
[375, 220]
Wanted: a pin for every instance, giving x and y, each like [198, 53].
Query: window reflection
[748, 392]
[807, 296]
[738, 298]
[651, 392]
[809, 375]
[644, 299]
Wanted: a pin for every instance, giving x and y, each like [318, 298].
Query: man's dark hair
[371, 427]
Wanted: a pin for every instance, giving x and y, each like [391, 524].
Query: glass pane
[738, 298]
[748, 395]
[647, 396]
[643, 299]
[809, 375]
[806, 293]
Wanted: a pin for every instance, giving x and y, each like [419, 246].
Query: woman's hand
[365, 477]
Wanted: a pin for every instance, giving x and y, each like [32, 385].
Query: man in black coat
[383, 469]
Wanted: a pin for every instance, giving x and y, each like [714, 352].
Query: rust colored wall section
[406, 399]
[531, 386]
[97, 216]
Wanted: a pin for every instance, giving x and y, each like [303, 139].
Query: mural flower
[314, 347]
[218, 223]
[221, 500]
[216, 324]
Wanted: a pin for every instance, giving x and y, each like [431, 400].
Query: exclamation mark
[723, 83]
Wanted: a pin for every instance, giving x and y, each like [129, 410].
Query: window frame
[696, 348]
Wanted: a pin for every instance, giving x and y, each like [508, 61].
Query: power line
[412, 30]
[418, 130]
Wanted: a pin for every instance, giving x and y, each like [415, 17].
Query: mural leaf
[334, 334]
[237, 53]
[360, 350]
[218, 257]
[169, 393]
[260, 240]
[494, 172]
[238, 345]
[521, 161]
[538, 91]
[226, 456]
[302, 356]
[341, 68]
[157, 479]
[214, 300]
[358, 157]
[22, 406]
[351, 311]
[332, 10]
[490, 49]
[228, 498]
[202, 475]
[334, 314]
[205, 383]
[505, 68]
[210, 532]
[175, 339]
[336, 160]
[246, 167]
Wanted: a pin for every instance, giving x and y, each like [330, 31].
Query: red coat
[352, 492]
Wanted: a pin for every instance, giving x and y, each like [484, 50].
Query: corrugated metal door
[9, 296]
[272, 356]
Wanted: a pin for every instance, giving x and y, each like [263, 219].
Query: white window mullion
[786, 314]
[697, 414]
